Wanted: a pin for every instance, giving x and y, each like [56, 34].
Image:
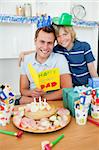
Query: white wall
[17, 37]
[56, 7]
[91, 7]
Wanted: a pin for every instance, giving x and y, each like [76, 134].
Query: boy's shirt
[77, 58]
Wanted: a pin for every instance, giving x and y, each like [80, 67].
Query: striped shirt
[77, 58]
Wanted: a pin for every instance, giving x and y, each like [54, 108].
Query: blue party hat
[44, 22]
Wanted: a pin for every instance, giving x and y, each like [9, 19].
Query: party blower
[17, 134]
[50, 145]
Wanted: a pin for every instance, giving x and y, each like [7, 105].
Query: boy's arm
[92, 69]
[21, 56]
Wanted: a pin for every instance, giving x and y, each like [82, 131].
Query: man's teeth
[43, 51]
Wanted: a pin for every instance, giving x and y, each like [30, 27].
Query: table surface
[77, 137]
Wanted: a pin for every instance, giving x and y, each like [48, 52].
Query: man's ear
[34, 40]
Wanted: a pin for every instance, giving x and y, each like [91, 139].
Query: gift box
[65, 96]
[93, 82]
[69, 97]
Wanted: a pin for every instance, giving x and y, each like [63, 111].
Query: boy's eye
[65, 34]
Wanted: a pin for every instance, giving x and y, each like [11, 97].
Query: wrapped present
[65, 96]
[93, 82]
[70, 95]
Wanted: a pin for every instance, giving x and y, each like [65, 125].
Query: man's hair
[66, 29]
[48, 29]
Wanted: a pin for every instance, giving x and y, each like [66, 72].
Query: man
[43, 59]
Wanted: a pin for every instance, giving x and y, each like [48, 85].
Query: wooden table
[76, 137]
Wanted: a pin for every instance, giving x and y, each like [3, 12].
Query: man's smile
[44, 51]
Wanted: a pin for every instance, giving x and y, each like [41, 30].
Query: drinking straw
[17, 134]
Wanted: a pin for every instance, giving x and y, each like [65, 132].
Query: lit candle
[40, 102]
[34, 101]
[45, 102]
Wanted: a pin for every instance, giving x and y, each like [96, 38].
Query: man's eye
[42, 42]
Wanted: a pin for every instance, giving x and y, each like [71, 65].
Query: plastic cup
[5, 115]
[95, 111]
[81, 116]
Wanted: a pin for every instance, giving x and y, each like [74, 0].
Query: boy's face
[64, 38]
[44, 45]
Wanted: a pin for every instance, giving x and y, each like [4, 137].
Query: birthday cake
[40, 117]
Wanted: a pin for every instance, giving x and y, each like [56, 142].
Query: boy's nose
[61, 38]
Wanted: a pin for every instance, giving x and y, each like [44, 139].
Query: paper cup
[95, 111]
[81, 116]
[2, 118]
[5, 116]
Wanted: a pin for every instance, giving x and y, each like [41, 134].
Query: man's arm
[65, 82]
[27, 94]
[24, 86]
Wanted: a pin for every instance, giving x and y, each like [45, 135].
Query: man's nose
[45, 46]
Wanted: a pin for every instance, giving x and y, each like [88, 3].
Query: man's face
[44, 45]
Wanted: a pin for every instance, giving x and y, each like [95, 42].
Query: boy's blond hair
[68, 29]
